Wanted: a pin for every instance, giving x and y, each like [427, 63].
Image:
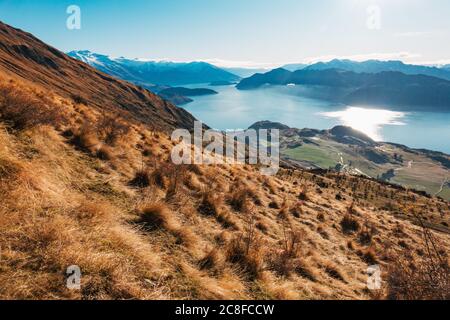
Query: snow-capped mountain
[155, 72]
[376, 66]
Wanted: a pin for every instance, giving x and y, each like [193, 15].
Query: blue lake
[235, 109]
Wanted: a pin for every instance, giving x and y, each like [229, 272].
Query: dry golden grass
[141, 179]
[24, 109]
[349, 224]
[238, 199]
[213, 260]
[189, 232]
[86, 139]
[248, 257]
[421, 276]
[157, 215]
[210, 204]
[105, 153]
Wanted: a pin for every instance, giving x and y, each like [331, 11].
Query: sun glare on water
[368, 121]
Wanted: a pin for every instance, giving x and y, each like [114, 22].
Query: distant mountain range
[371, 82]
[154, 72]
[387, 88]
[376, 66]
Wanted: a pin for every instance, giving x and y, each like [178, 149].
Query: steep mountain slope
[153, 72]
[89, 183]
[395, 89]
[105, 64]
[377, 66]
[25, 57]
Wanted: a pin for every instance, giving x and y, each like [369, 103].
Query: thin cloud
[412, 34]
[242, 64]
[403, 56]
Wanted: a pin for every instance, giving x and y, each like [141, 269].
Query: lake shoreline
[232, 109]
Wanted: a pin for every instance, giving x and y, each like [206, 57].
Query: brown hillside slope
[81, 186]
[24, 56]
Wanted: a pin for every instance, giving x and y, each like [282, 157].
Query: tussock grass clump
[352, 210]
[85, 139]
[210, 204]
[242, 195]
[193, 183]
[304, 196]
[25, 110]
[249, 258]
[365, 236]
[157, 215]
[403, 244]
[141, 179]
[167, 174]
[288, 258]
[93, 211]
[284, 211]
[274, 205]
[223, 238]
[297, 211]
[238, 199]
[183, 235]
[147, 152]
[227, 220]
[321, 217]
[349, 224]
[280, 262]
[339, 196]
[284, 264]
[246, 249]
[158, 177]
[270, 185]
[305, 270]
[105, 153]
[369, 256]
[262, 226]
[213, 260]
[351, 245]
[164, 175]
[334, 272]
[322, 231]
[110, 129]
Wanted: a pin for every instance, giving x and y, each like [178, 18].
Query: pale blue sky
[247, 32]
